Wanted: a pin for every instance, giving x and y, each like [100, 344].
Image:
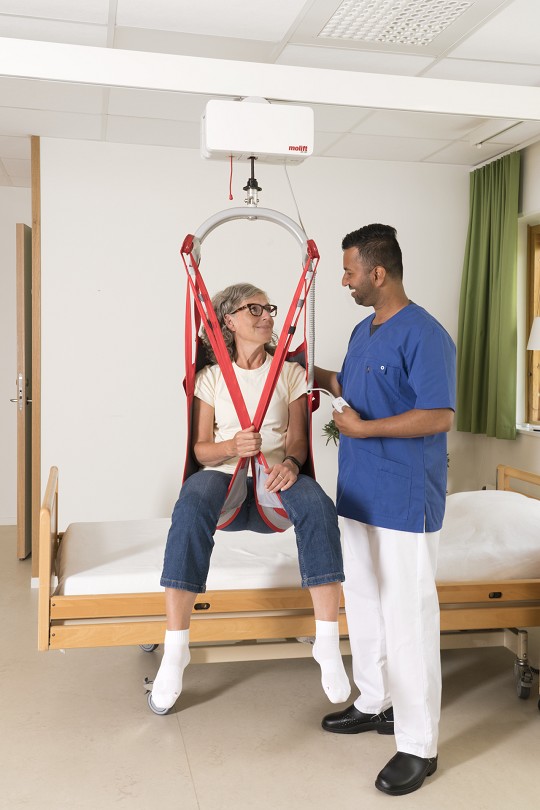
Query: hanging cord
[311, 334]
[294, 198]
[310, 304]
[230, 183]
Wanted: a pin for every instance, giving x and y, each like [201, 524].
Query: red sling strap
[199, 311]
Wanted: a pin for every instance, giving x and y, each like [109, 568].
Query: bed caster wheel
[154, 707]
[148, 647]
[522, 680]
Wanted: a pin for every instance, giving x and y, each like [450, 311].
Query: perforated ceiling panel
[407, 22]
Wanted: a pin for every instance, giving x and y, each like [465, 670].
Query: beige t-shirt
[210, 388]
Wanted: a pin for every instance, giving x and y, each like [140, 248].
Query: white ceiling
[489, 41]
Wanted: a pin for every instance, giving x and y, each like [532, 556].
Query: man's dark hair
[377, 245]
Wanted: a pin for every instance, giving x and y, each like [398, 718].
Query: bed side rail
[505, 475]
[48, 544]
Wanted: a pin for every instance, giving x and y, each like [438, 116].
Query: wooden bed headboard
[505, 476]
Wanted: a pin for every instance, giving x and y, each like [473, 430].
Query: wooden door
[24, 391]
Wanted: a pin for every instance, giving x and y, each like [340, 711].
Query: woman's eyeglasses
[257, 309]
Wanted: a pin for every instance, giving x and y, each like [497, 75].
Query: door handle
[20, 399]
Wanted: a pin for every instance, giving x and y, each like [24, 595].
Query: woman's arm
[297, 438]
[210, 453]
[284, 474]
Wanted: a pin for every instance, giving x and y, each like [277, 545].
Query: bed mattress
[127, 557]
[485, 535]
[489, 535]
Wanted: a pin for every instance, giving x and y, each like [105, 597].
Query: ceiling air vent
[404, 22]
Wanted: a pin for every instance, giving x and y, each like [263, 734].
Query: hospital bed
[99, 582]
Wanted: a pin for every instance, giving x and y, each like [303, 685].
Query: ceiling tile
[520, 133]
[235, 18]
[15, 147]
[53, 31]
[51, 124]
[348, 59]
[89, 11]
[417, 125]
[337, 119]
[16, 167]
[153, 132]
[59, 96]
[310, 27]
[323, 140]
[493, 72]
[372, 147]
[144, 39]
[509, 36]
[148, 104]
[490, 129]
[20, 182]
[466, 154]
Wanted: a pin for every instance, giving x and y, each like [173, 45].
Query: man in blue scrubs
[398, 380]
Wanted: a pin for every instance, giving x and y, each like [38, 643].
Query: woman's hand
[281, 476]
[246, 443]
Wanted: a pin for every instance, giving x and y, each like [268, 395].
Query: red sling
[199, 311]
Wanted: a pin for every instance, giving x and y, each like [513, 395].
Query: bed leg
[523, 674]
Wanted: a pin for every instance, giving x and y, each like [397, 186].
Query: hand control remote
[339, 403]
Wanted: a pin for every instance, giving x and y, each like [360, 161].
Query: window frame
[532, 363]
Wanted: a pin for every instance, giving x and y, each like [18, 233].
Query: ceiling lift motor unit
[273, 133]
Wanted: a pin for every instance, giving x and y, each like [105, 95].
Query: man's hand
[349, 422]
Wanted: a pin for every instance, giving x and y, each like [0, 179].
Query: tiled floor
[76, 731]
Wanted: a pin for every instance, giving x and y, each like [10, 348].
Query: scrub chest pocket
[384, 386]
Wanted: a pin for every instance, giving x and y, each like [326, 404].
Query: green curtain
[487, 333]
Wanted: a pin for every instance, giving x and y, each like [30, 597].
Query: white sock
[167, 685]
[327, 654]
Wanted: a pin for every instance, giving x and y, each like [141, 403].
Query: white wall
[113, 220]
[15, 206]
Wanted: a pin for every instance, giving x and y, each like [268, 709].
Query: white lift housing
[274, 133]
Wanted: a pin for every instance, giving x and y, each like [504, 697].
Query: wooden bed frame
[231, 625]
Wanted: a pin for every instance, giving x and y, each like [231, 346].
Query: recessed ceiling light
[407, 22]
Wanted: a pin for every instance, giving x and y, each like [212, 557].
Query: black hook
[252, 182]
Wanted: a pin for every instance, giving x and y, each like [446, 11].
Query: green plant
[331, 432]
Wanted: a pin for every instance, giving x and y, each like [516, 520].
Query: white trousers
[394, 628]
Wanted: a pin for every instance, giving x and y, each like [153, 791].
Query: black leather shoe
[352, 721]
[405, 773]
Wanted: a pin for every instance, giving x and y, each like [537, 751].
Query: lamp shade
[534, 337]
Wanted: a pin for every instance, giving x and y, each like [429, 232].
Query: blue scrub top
[409, 362]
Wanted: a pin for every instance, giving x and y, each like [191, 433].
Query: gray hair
[224, 303]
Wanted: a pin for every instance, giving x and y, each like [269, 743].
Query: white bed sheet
[489, 534]
[127, 557]
[485, 535]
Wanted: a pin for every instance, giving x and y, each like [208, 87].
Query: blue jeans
[191, 537]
